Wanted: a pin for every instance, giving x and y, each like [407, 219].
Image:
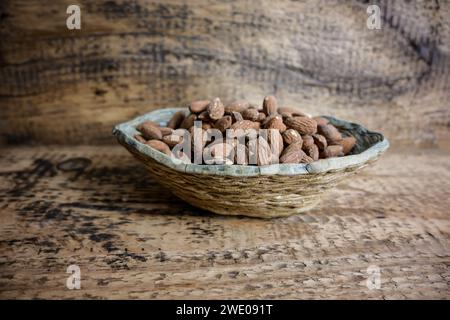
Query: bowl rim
[125, 134]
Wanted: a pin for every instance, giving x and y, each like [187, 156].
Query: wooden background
[71, 86]
[66, 200]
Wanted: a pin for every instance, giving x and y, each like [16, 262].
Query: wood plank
[62, 86]
[96, 207]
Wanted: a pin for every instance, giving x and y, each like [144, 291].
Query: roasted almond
[276, 123]
[215, 109]
[160, 146]
[307, 141]
[330, 132]
[149, 131]
[347, 144]
[313, 152]
[176, 120]
[237, 106]
[321, 120]
[245, 124]
[250, 114]
[223, 123]
[172, 140]
[320, 141]
[188, 121]
[198, 106]
[270, 105]
[332, 151]
[292, 153]
[290, 136]
[303, 125]
[140, 138]
[292, 111]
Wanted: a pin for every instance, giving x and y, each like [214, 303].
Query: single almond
[270, 105]
[198, 106]
[188, 121]
[321, 120]
[313, 152]
[347, 144]
[172, 140]
[149, 131]
[176, 120]
[236, 106]
[215, 109]
[290, 136]
[307, 141]
[303, 125]
[292, 153]
[330, 132]
[250, 114]
[140, 138]
[245, 124]
[160, 146]
[332, 151]
[223, 123]
[320, 141]
[276, 123]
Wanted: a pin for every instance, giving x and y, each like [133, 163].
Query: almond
[223, 123]
[307, 141]
[347, 144]
[313, 152]
[321, 120]
[290, 136]
[262, 149]
[303, 125]
[140, 138]
[188, 121]
[236, 116]
[215, 109]
[320, 141]
[275, 140]
[245, 124]
[203, 116]
[236, 106]
[330, 132]
[306, 159]
[261, 116]
[292, 154]
[219, 152]
[270, 105]
[176, 120]
[165, 130]
[276, 123]
[150, 131]
[250, 114]
[291, 111]
[198, 106]
[172, 140]
[332, 151]
[160, 146]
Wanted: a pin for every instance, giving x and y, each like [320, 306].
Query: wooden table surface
[97, 208]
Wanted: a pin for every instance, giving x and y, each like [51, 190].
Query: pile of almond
[251, 135]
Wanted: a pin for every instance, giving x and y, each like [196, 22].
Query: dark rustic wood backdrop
[71, 86]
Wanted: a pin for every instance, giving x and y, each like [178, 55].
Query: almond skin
[150, 131]
[320, 141]
[303, 125]
[290, 136]
[215, 109]
[347, 144]
[160, 146]
[176, 120]
[330, 132]
[198, 106]
[292, 154]
[270, 105]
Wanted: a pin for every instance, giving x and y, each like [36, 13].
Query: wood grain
[61, 86]
[97, 207]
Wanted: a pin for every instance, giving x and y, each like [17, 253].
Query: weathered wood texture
[96, 207]
[64, 86]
